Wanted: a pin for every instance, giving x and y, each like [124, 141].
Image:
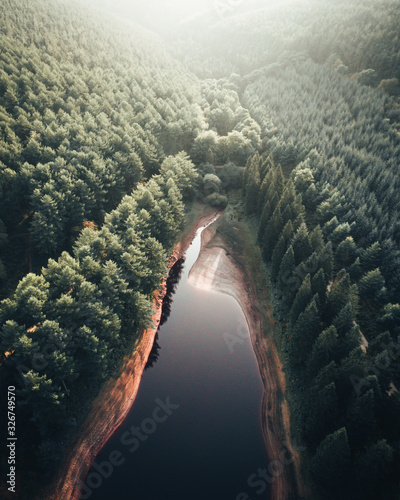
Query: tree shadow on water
[172, 283]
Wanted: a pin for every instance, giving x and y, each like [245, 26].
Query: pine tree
[263, 194]
[13, 333]
[372, 284]
[43, 401]
[304, 333]
[301, 244]
[331, 464]
[317, 239]
[286, 279]
[48, 224]
[322, 415]
[326, 375]
[390, 316]
[340, 233]
[349, 333]
[31, 300]
[288, 194]
[371, 257]
[326, 260]
[352, 372]
[280, 250]
[344, 320]
[346, 252]
[355, 270]
[330, 226]
[277, 256]
[323, 351]
[319, 286]
[302, 299]
[252, 191]
[360, 419]
[373, 467]
[272, 234]
[267, 166]
[266, 215]
[339, 295]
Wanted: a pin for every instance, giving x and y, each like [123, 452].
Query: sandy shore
[216, 269]
[115, 400]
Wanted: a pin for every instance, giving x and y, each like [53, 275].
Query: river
[194, 431]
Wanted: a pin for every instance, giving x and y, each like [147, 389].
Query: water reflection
[172, 283]
[210, 446]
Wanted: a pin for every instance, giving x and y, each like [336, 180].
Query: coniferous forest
[112, 131]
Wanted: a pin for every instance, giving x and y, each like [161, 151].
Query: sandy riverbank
[116, 398]
[218, 269]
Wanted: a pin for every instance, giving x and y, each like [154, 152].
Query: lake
[194, 431]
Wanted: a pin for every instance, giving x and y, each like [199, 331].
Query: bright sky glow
[163, 15]
[150, 12]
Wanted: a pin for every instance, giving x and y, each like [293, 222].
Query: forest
[289, 114]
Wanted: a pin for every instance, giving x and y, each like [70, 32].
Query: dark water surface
[204, 441]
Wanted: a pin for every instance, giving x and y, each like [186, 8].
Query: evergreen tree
[355, 270]
[390, 317]
[302, 299]
[252, 190]
[263, 194]
[322, 415]
[317, 239]
[373, 467]
[304, 333]
[339, 294]
[324, 350]
[360, 419]
[372, 284]
[326, 260]
[346, 252]
[319, 287]
[344, 320]
[331, 466]
[326, 375]
[280, 249]
[301, 244]
[272, 233]
[371, 257]
[266, 215]
[286, 278]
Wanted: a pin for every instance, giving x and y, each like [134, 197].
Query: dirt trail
[217, 269]
[115, 400]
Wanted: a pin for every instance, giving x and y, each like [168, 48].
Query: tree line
[66, 330]
[359, 38]
[342, 399]
[87, 111]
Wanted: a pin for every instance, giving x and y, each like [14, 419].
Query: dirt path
[218, 269]
[115, 400]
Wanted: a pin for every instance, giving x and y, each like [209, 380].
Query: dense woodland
[356, 36]
[106, 138]
[343, 400]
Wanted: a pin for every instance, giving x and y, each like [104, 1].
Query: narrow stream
[194, 431]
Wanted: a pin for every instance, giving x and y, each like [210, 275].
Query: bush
[216, 200]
